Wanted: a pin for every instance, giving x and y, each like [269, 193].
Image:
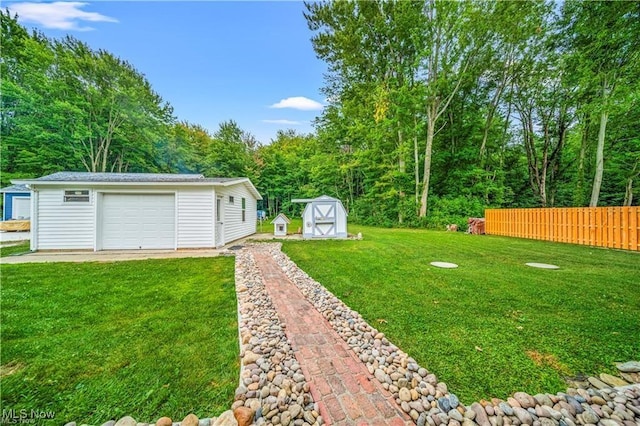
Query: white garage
[139, 211]
[138, 221]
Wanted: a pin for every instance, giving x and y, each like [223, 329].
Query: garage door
[138, 221]
[21, 208]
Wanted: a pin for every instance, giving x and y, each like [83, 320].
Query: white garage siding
[195, 218]
[234, 227]
[63, 225]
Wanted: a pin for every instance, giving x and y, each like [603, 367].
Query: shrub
[443, 211]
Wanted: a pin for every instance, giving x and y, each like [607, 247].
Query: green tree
[372, 51]
[118, 117]
[33, 140]
[605, 57]
[231, 152]
[66, 106]
[285, 171]
[456, 35]
[184, 148]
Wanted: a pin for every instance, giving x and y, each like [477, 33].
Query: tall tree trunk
[578, 196]
[530, 149]
[402, 165]
[350, 184]
[555, 161]
[597, 178]
[542, 179]
[431, 118]
[628, 193]
[493, 106]
[416, 159]
[505, 133]
[402, 168]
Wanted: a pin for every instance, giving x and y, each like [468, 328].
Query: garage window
[231, 199]
[76, 196]
[244, 209]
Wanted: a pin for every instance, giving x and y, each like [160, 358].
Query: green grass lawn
[97, 341]
[493, 326]
[10, 249]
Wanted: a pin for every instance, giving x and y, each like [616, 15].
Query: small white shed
[280, 225]
[323, 217]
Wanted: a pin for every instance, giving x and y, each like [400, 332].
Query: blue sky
[211, 60]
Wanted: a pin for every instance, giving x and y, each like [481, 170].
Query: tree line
[441, 106]
[66, 106]
[436, 110]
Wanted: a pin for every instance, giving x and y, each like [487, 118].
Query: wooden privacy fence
[614, 227]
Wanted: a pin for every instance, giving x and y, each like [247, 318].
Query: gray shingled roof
[128, 177]
[15, 188]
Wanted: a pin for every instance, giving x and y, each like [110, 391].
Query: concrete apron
[121, 255]
[14, 236]
[107, 255]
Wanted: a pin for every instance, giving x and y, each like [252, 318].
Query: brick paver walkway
[346, 392]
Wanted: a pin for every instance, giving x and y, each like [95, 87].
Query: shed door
[324, 219]
[21, 208]
[138, 221]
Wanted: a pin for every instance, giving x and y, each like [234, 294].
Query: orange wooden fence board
[614, 227]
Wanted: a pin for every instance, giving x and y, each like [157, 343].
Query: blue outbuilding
[16, 202]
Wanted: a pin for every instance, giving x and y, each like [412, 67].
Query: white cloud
[58, 15]
[299, 102]
[285, 122]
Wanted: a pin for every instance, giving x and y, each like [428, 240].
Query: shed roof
[310, 200]
[321, 198]
[15, 188]
[281, 218]
[113, 179]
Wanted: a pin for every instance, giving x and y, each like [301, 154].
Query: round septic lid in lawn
[445, 265]
[542, 265]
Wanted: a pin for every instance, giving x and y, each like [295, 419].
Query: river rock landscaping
[272, 383]
[274, 391]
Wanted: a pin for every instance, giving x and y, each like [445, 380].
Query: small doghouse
[280, 225]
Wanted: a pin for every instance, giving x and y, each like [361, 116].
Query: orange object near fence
[614, 227]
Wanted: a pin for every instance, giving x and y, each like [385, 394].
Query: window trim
[244, 209]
